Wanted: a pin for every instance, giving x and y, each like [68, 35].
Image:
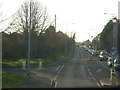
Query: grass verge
[13, 80]
[18, 63]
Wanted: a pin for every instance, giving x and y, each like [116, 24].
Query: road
[80, 72]
[74, 72]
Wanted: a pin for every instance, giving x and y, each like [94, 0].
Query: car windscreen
[117, 61]
[104, 53]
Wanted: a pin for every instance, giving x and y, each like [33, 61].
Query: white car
[110, 61]
[103, 56]
[117, 64]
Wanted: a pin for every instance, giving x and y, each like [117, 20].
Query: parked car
[94, 53]
[117, 64]
[86, 48]
[90, 50]
[103, 56]
[110, 61]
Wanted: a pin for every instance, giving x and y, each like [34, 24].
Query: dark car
[117, 64]
[94, 53]
[103, 56]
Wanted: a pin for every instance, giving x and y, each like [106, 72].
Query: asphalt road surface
[80, 72]
[76, 72]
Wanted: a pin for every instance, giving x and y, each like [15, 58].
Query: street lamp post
[114, 37]
[114, 20]
[29, 43]
[98, 41]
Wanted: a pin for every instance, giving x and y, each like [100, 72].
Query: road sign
[113, 52]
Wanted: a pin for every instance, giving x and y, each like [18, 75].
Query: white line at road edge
[57, 75]
[58, 67]
[55, 84]
[93, 77]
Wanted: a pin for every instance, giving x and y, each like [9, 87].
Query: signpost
[113, 52]
[113, 78]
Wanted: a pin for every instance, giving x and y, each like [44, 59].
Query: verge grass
[18, 63]
[12, 80]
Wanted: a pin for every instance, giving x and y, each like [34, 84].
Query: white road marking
[57, 75]
[58, 67]
[99, 70]
[93, 76]
[51, 80]
[58, 72]
[55, 84]
[98, 84]
[62, 66]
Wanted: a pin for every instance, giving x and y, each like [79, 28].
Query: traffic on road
[104, 56]
[56, 44]
[82, 72]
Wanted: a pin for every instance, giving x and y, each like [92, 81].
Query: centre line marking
[93, 77]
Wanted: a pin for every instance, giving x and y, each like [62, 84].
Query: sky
[86, 18]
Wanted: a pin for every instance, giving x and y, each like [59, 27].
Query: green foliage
[12, 80]
[12, 63]
[106, 36]
[45, 42]
[44, 45]
[18, 63]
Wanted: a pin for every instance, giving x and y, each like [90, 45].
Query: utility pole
[55, 46]
[65, 45]
[66, 38]
[55, 22]
[114, 49]
[29, 43]
[115, 36]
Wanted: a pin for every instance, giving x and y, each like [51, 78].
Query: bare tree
[3, 19]
[0, 11]
[39, 18]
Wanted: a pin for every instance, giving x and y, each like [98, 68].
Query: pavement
[36, 81]
[107, 83]
[44, 78]
[39, 78]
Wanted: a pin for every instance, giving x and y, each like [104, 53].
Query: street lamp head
[72, 23]
[105, 13]
[114, 20]
[111, 14]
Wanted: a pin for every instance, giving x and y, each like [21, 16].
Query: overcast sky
[84, 17]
